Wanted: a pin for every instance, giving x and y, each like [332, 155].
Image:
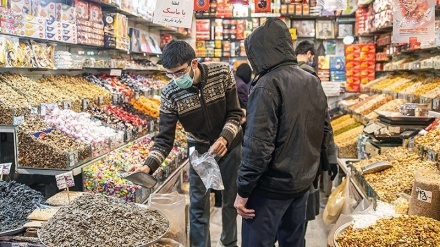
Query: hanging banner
[201, 5]
[413, 20]
[263, 6]
[175, 13]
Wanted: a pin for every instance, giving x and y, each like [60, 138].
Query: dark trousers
[199, 203]
[283, 220]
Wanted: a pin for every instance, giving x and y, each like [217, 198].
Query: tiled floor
[316, 235]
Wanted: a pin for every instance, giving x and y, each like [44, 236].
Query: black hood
[269, 46]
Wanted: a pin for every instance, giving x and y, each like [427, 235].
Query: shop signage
[175, 13]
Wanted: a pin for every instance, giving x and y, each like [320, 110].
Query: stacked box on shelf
[360, 65]
[90, 23]
[324, 68]
[337, 68]
[116, 32]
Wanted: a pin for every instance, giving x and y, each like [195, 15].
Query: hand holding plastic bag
[208, 170]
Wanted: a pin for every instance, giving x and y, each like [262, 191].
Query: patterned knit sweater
[207, 111]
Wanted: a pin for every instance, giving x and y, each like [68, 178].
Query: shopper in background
[243, 77]
[287, 127]
[203, 98]
[305, 52]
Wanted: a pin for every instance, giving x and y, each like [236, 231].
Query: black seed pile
[17, 202]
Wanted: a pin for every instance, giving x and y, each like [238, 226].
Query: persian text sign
[175, 13]
[413, 20]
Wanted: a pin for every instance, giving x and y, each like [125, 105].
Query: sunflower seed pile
[97, 220]
[17, 202]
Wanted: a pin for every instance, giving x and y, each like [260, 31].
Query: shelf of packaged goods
[426, 49]
[76, 171]
[411, 70]
[3, 69]
[238, 57]
[138, 19]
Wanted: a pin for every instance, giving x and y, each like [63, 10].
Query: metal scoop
[140, 178]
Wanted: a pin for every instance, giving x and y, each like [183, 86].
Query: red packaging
[82, 10]
[262, 6]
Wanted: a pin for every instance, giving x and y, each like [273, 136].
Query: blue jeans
[282, 220]
[200, 208]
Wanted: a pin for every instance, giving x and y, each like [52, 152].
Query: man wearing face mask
[305, 53]
[203, 98]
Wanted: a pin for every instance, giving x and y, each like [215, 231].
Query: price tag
[129, 135]
[51, 107]
[100, 100]
[115, 99]
[151, 92]
[85, 104]
[34, 111]
[5, 168]
[431, 155]
[140, 128]
[73, 158]
[67, 105]
[411, 98]
[150, 126]
[18, 120]
[115, 72]
[65, 180]
[394, 129]
[43, 110]
[422, 100]
[424, 195]
[396, 95]
[19, 245]
[145, 93]
[136, 95]
[435, 104]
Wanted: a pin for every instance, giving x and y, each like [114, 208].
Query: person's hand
[333, 171]
[145, 169]
[240, 205]
[219, 147]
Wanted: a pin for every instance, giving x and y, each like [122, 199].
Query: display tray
[12, 232]
[398, 117]
[143, 245]
[340, 230]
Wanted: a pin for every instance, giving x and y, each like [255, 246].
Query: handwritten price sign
[176, 13]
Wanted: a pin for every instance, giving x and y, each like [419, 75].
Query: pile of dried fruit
[149, 106]
[17, 202]
[405, 231]
[97, 220]
[347, 142]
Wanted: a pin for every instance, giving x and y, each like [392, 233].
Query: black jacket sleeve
[257, 149]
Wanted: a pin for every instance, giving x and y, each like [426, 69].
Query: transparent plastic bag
[208, 170]
[172, 205]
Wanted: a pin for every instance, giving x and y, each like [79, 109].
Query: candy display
[148, 105]
[17, 202]
[397, 231]
[397, 179]
[101, 176]
[96, 220]
[81, 127]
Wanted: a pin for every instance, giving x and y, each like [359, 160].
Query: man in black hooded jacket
[288, 128]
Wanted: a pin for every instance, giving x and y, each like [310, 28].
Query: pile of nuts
[405, 231]
[347, 142]
[98, 220]
[397, 179]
